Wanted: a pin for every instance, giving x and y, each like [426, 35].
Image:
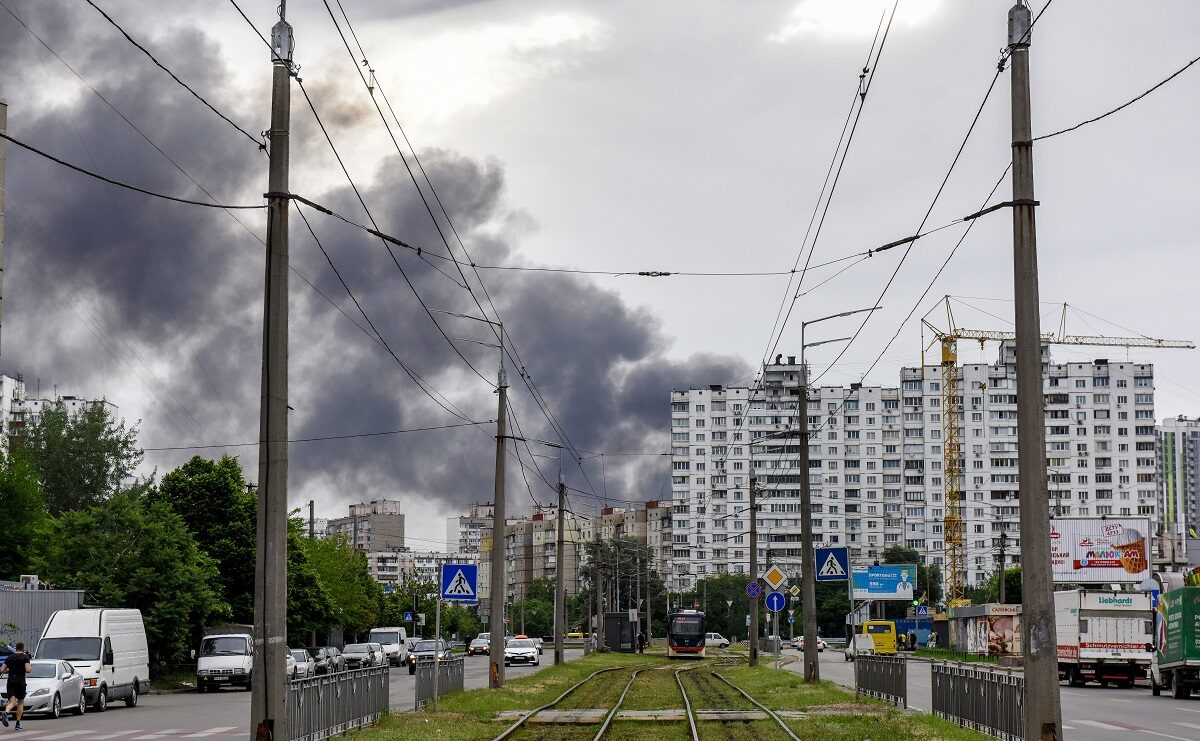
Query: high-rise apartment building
[373, 526]
[877, 459]
[1178, 488]
[531, 552]
[463, 533]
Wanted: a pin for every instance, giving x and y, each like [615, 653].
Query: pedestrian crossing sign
[833, 564]
[460, 582]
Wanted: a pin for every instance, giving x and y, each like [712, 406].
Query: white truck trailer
[1103, 636]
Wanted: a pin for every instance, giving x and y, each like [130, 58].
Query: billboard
[886, 581]
[1095, 549]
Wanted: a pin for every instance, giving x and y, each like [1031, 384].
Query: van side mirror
[193, 652]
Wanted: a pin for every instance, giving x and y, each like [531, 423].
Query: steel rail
[687, 704]
[521, 721]
[760, 706]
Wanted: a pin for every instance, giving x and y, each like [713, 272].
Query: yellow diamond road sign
[795, 590]
[775, 578]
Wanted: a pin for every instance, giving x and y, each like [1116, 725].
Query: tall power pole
[808, 574]
[1043, 711]
[268, 702]
[499, 586]
[3, 164]
[754, 569]
[1003, 562]
[312, 519]
[560, 587]
[599, 584]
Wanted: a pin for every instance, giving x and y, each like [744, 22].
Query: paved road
[1092, 712]
[221, 715]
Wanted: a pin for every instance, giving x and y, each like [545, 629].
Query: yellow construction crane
[952, 400]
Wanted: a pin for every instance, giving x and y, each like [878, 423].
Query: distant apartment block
[463, 533]
[1178, 457]
[372, 526]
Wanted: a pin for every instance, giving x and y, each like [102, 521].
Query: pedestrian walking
[641, 641]
[595, 641]
[16, 666]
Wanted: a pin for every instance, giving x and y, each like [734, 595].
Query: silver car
[52, 686]
[305, 666]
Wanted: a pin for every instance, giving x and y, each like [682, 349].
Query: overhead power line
[325, 438]
[119, 183]
[259, 143]
[1124, 105]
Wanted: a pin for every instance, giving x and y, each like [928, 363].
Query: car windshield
[428, 646]
[227, 646]
[69, 649]
[357, 648]
[385, 636]
[43, 670]
[521, 643]
[300, 655]
[315, 652]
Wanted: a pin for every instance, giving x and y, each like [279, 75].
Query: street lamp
[812, 672]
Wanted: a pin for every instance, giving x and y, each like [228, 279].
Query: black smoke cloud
[112, 293]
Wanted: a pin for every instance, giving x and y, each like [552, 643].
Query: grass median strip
[893, 725]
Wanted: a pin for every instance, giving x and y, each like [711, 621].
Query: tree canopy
[79, 461]
[25, 518]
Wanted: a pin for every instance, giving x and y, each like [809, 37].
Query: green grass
[892, 726]
[947, 654]
[785, 690]
[654, 689]
[174, 681]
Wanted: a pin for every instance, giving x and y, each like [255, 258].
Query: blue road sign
[922, 610]
[791, 618]
[833, 564]
[408, 617]
[460, 582]
[775, 601]
[753, 591]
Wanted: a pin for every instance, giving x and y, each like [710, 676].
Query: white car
[716, 640]
[52, 686]
[521, 651]
[303, 666]
[289, 665]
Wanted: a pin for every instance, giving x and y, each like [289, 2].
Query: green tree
[989, 589]
[25, 518]
[345, 577]
[212, 499]
[400, 601]
[80, 462]
[538, 617]
[309, 609]
[131, 552]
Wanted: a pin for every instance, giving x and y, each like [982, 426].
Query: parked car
[320, 659]
[427, 650]
[521, 651]
[289, 665]
[716, 640]
[52, 686]
[224, 659]
[481, 645]
[361, 655]
[862, 644]
[306, 665]
[337, 660]
[798, 644]
[106, 646]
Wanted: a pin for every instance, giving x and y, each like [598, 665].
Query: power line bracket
[998, 206]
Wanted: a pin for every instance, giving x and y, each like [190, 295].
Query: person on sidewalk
[16, 666]
[641, 641]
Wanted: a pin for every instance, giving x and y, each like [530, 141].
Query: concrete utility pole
[754, 569]
[599, 584]
[649, 604]
[560, 587]
[312, 519]
[268, 702]
[1043, 710]
[1003, 566]
[808, 573]
[499, 586]
[3, 164]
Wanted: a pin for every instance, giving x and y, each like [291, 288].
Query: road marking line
[1069, 728]
[118, 734]
[1100, 724]
[1190, 710]
[160, 733]
[211, 732]
[60, 734]
[1186, 725]
[1166, 735]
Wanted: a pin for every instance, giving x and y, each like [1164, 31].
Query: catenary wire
[164, 68]
[119, 183]
[324, 438]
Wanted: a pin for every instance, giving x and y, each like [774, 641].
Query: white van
[108, 647]
[225, 659]
[394, 642]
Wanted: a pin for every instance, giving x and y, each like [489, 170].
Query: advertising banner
[1105, 550]
[886, 581]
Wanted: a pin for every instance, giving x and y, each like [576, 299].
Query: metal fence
[449, 678]
[884, 677]
[980, 698]
[332, 704]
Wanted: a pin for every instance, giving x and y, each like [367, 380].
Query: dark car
[425, 650]
[337, 661]
[320, 657]
[362, 655]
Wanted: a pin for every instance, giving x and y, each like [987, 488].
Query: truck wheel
[131, 701]
[1076, 680]
[1178, 690]
[101, 700]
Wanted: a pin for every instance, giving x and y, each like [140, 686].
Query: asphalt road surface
[220, 715]
[1092, 712]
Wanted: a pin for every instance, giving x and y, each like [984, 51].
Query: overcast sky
[624, 136]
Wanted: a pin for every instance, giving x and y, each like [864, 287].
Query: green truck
[1176, 663]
